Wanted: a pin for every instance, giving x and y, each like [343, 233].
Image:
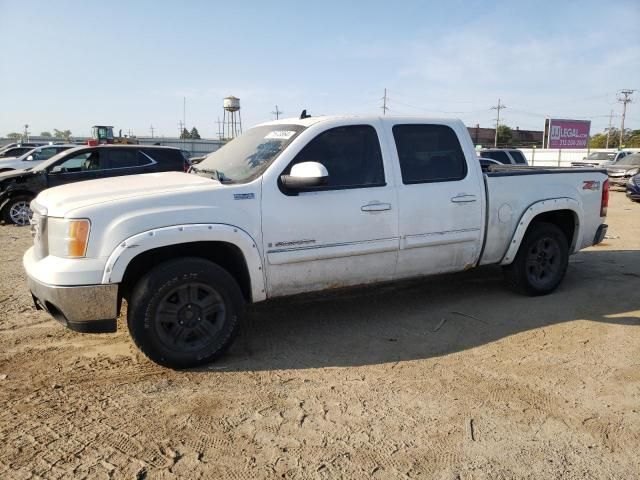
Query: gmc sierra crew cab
[294, 206]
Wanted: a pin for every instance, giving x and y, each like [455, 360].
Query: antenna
[304, 114]
[384, 103]
[277, 113]
[498, 108]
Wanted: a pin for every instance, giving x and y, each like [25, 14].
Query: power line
[624, 98]
[498, 108]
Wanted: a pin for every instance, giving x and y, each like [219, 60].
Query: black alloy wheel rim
[189, 317]
[543, 262]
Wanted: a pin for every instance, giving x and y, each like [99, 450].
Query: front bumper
[618, 181]
[86, 308]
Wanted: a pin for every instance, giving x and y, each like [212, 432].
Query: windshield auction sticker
[280, 134]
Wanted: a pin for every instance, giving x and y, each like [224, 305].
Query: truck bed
[512, 190]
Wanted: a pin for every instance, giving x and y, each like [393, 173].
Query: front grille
[39, 230]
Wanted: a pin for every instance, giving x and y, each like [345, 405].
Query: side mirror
[305, 175]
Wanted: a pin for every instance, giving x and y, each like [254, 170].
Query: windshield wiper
[217, 174]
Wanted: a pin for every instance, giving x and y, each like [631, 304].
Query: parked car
[32, 158]
[487, 163]
[294, 206]
[14, 152]
[633, 188]
[506, 156]
[596, 160]
[18, 188]
[621, 171]
[22, 144]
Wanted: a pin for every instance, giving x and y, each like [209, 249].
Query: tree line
[630, 139]
[193, 134]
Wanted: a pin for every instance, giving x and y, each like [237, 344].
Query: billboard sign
[567, 133]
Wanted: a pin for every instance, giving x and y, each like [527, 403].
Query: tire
[168, 318]
[16, 210]
[541, 261]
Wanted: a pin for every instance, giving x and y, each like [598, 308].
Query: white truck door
[344, 233]
[441, 198]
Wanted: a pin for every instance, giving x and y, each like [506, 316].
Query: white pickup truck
[295, 206]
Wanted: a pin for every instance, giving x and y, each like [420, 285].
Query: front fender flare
[535, 209]
[127, 250]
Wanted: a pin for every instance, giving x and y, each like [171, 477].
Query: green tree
[185, 134]
[194, 133]
[46, 133]
[14, 136]
[633, 139]
[63, 134]
[505, 135]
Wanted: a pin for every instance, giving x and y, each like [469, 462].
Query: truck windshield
[248, 156]
[601, 156]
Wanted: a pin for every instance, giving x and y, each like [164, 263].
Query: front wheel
[16, 210]
[185, 313]
[541, 262]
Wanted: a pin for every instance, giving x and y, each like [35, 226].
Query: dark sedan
[18, 188]
[633, 188]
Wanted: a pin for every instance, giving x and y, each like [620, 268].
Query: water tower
[231, 120]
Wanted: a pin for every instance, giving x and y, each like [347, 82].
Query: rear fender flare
[128, 249]
[535, 209]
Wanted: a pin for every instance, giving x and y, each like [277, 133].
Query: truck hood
[61, 200]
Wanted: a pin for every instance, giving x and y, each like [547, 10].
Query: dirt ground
[450, 377]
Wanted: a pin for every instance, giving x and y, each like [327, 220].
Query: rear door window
[429, 153]
[124, 158]
[518, 157]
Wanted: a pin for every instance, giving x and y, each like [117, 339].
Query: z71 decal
[591, 185]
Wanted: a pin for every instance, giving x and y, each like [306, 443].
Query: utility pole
[180, 128]
[184, 111]
[25, 135]
[152, 130]
[624, 98]
[498, 108]
[219, 129]
[277, 113]
[384, 103]
[609, 129]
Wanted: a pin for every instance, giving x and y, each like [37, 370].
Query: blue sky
[72, 64]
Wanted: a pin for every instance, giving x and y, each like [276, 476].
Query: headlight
[632, 172]
[68, 237]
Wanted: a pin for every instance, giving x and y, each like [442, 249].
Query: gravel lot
[451, 377]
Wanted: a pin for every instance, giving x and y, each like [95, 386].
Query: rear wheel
[185, 312]
[541, 262]
[16, 210]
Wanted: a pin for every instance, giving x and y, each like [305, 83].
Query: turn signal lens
[78, 237]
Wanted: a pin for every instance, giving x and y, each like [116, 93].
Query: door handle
[375, 207]
[463, 198]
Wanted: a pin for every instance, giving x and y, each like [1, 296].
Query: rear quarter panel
[509, 197]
